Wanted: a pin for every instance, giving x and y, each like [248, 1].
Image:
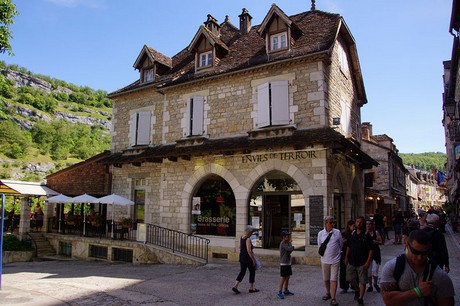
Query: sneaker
[369, 289]
[280, 295]
[287, 292]
[377, 288]
[360, 301]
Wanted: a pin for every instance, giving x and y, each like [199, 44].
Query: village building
[385, 185]
[256, 125]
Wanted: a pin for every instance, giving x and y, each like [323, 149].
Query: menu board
[316, 218]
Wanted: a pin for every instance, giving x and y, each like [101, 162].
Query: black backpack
[427, 272]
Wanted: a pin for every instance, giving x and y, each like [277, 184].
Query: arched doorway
[213, 208]
[277, 204]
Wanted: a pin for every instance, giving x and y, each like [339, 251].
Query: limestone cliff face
[30, 116]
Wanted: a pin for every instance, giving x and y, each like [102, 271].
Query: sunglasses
[417, 252]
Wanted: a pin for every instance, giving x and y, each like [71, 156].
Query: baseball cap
[285, 233]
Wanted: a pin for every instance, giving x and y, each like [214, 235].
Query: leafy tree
[7, 13]
[15, 142]
[425, 161]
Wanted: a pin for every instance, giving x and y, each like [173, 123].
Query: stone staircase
[44, 248]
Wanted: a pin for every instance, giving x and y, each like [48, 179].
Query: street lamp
[449, 107]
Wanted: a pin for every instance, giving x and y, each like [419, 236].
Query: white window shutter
[133, 129]
[197, 119]
[280, 102]
[143, 128]
[346, 117]
[263, 102]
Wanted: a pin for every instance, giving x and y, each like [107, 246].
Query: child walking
[286, 249]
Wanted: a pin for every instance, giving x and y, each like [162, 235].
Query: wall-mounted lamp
[449, 107]
[336, 121]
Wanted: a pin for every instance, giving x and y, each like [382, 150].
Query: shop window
[273, 103]
[213, 209]
[139, 200]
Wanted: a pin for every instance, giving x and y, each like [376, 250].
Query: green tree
[15, 142]
[7, 13]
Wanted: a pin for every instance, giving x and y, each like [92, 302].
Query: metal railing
[178, 241]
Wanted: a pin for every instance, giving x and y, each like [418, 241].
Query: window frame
[279, 36]
[148, 75]
[273, 104]
[207, 56]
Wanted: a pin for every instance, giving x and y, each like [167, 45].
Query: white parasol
[114, 199]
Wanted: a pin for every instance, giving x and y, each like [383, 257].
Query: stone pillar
[48, 213]
[24, 221]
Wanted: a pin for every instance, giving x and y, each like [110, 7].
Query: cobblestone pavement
[99, 283]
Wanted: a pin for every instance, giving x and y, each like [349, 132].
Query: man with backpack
[439, 252]
[412, 279]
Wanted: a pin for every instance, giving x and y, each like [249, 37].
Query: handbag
[258, 264]
[322, 247]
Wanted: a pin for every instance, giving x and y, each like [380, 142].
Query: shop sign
[293, 155]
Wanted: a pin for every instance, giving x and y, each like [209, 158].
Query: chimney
[313, 5]
[245, 22]
[366, 130]
[212, 25]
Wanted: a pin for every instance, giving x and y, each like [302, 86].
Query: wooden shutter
[197, 115]
[280, 102]
[133, 129]
[263, 102]
[143, 128]
[346, 117]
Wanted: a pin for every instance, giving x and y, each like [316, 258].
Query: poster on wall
[196, 210]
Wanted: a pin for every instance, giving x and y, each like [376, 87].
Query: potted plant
[71, 219]
[96, 220]
[126, 222]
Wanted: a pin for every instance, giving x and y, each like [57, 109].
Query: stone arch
[200, 175]
[272, 165]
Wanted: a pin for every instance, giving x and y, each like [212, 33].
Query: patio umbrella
[60, 198]
[114, 199]
[84, 198]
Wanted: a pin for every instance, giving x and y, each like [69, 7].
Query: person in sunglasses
[417, 284]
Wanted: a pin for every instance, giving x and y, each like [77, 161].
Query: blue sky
[401, 47]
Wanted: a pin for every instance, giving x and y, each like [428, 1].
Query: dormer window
[205, 59]
[278, 41]
[147, 75]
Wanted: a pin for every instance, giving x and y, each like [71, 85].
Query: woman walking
[247, 261]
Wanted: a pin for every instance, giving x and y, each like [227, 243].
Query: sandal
[326, 297]
[253, 290]
[334, 302]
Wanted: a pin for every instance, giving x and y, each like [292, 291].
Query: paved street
[99, 283]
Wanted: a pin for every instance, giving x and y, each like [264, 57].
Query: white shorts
[330, 271]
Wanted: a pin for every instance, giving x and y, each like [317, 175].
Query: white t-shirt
[334, 247]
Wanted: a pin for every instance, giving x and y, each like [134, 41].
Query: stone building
[257, 125]
[385, 185]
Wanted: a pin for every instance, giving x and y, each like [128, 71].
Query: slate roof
[318, 31]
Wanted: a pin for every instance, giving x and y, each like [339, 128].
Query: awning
[25, 188]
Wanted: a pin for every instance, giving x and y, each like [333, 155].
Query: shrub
[12, 243]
